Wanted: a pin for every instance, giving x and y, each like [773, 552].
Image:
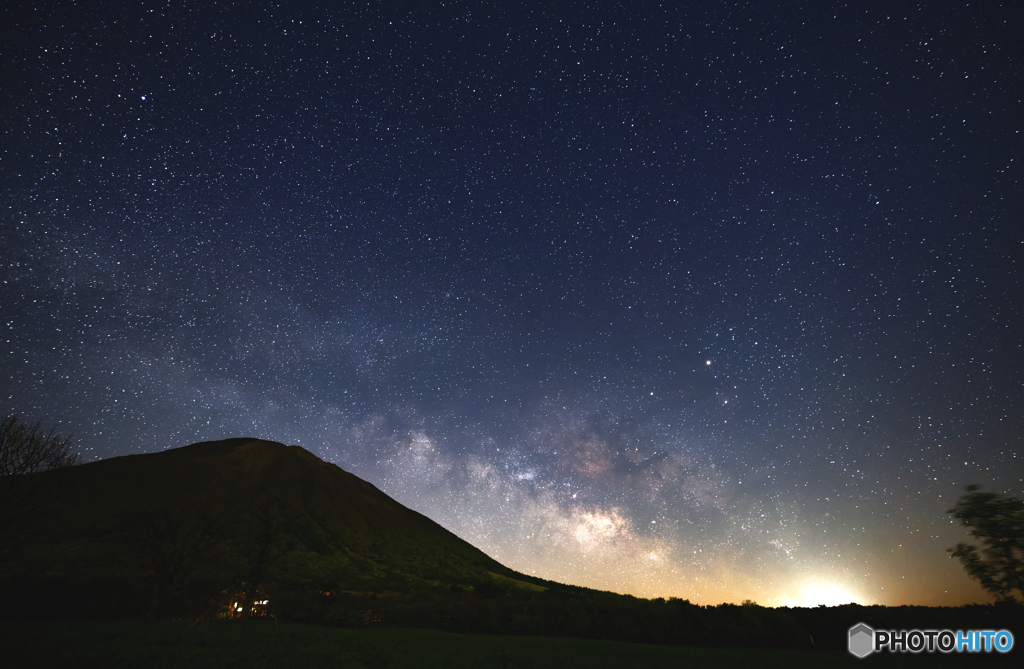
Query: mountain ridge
[341, 526]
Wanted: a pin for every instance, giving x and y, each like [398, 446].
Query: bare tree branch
[29, 457]
[171, 545]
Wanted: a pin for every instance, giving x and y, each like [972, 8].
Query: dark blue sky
[717, 302]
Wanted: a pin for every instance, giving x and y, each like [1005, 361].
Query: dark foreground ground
[111, 645]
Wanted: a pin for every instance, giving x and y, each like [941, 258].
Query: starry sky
[711, 300]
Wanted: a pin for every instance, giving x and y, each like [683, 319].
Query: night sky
[717, 301]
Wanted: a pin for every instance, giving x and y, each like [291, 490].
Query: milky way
[717, 302]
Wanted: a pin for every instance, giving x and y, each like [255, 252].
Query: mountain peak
[340, 523]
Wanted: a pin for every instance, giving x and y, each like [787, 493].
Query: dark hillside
[338, 532]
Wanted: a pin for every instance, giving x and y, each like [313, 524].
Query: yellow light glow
[815, 592]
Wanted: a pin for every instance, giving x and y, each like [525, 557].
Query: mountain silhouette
[339, 530]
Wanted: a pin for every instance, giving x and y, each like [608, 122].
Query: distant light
[815, 592]
[143, 97]
[708, 362]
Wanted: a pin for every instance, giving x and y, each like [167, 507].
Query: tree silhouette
[29, 456]
[261, 544]
[998, 522]
[171, 545]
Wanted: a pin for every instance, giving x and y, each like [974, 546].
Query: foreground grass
[258, 644]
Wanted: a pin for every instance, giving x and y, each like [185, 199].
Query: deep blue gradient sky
[718, 301]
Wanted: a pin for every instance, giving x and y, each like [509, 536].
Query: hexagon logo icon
[862, 640]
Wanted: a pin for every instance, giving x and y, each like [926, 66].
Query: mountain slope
[338, 527]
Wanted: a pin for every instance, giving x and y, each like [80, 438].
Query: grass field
[110, 645]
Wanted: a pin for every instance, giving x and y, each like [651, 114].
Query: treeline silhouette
[492, 609]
